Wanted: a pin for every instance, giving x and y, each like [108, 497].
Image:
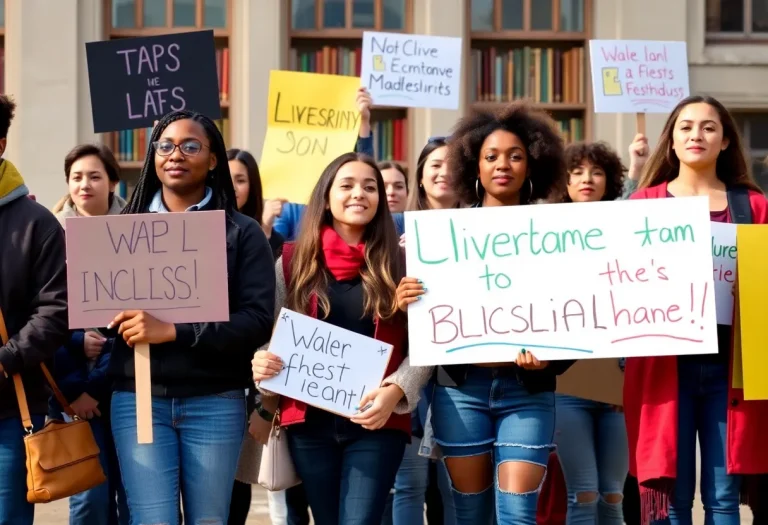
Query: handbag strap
[21, 396]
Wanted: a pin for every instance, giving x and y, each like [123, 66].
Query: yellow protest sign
[752, 247]
[313, 119]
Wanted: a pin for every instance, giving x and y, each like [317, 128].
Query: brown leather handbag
[62, 458]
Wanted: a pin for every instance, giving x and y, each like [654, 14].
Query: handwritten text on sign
[724, 260]
[136, 81]
[172, 265]
[312, 120]
[638, 76]
[563, 281]
[325, 366]
[416, 71]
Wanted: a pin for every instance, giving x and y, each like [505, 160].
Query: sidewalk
[57, 513]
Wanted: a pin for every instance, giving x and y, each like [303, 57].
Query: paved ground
[57, 513]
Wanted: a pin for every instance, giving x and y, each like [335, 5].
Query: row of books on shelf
[390, 139]
[222, 70]
[544, 75]
[329, 60]
[131, 145]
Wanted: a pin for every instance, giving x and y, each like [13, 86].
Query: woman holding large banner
[668, 401]
[198, 370]
[497, 447]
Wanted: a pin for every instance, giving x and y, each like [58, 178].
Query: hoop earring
[477, 188]
[530, 195]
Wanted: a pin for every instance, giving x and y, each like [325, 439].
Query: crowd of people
[479, 444]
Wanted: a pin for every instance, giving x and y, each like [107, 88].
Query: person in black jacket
[496, 421]
[33, 303]
[200, 370]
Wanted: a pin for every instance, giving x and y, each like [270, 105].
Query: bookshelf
[536, 50]
[325, 36]
[139, 18]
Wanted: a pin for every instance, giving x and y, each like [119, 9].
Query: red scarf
[343, 261]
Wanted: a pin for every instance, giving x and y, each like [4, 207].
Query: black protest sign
[135, 81]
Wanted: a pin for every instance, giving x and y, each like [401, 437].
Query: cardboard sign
[415, 71]
[598, 380]
[564, 281]
[313, 119]
[172, 265]
[638, 76]
[135, 81]
[752, 243]
[724, 271]
[325, 366]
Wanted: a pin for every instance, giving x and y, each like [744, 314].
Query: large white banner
[565, 281]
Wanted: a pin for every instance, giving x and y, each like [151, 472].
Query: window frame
[527, 33]
[140, 30]
[348, 31]
[745, 36]
[755, 155]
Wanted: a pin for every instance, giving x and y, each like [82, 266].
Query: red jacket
[392, 332]
[651, 404]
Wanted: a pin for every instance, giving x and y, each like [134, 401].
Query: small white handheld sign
[325, 366]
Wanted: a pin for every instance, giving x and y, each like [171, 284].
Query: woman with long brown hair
[668, 400]
[343, 269]
[507, 158]
[432, 185]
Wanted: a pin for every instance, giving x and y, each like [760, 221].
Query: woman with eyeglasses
[200, 371]
[496, 448]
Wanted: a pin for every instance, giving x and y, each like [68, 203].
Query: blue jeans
[411, 486]
[14, 509]
[347, 471]
[104, 504]
[591, 440]
[196, 447]
[492, 413]
[702, 410]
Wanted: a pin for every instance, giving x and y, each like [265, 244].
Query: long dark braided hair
[219, 179]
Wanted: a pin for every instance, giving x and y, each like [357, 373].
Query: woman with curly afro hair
[513, 156]
[506, 158]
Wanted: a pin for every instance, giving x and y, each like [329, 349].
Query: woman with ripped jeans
[495, 422]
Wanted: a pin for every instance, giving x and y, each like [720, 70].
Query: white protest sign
[565, 281]
[324, 365]
[414, 71]
[638, 76]
[724, 260]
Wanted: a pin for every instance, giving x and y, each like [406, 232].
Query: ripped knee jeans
[491, 413]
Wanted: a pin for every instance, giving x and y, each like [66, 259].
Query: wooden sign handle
[143, 394]
[640, 123]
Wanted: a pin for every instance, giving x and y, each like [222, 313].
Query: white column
[439, 18]
[43, 74]
[258, 44]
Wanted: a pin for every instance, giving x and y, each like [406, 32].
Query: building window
[737, 19]
[754, 134]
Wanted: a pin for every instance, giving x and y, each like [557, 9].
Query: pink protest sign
[172, 265]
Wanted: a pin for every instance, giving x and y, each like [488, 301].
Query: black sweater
[210, 358]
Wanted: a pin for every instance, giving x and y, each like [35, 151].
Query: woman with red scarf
[343, 269]
[669, 400]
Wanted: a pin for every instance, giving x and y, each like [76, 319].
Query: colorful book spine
[543, 75]
[222, 70]
[329, 60]
[390, 139]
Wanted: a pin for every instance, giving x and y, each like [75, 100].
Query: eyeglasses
[188, 148]
[437, 138]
